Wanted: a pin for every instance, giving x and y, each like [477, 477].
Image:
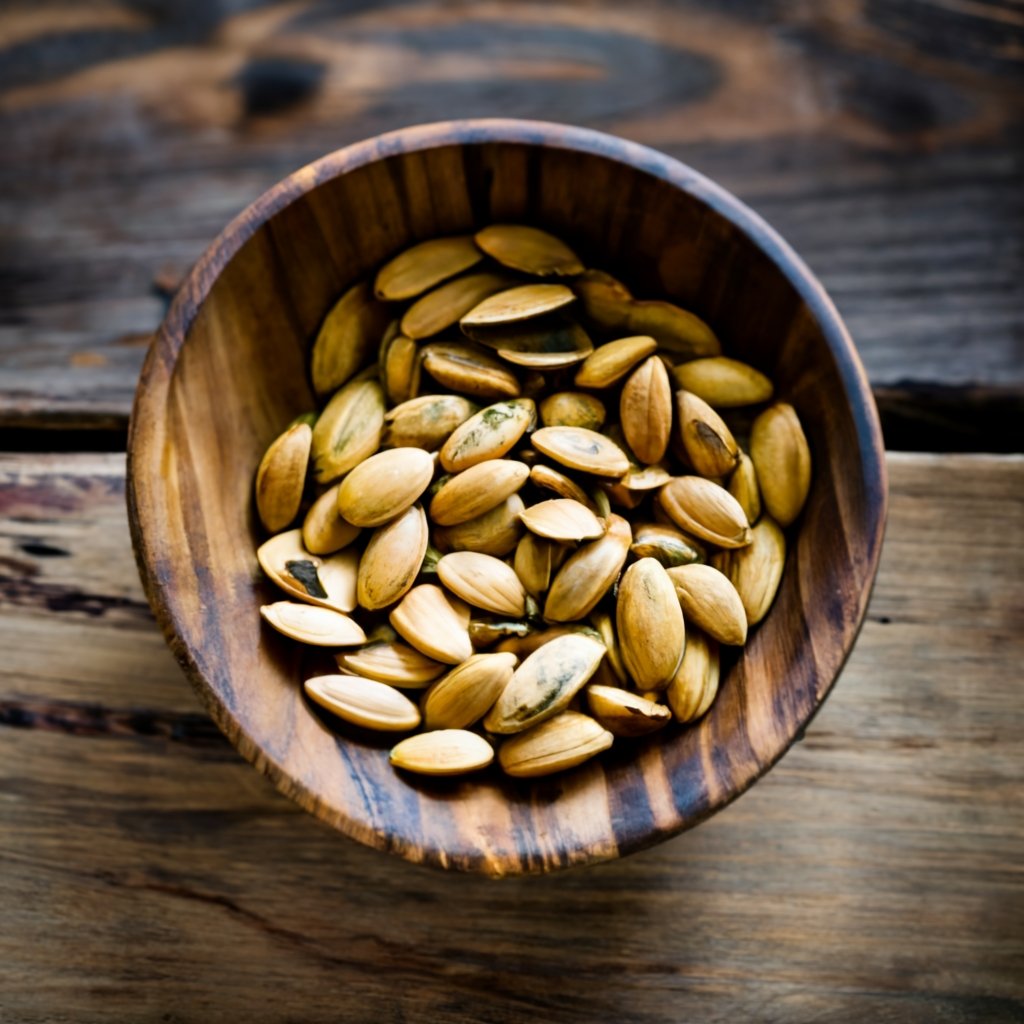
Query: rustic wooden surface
[882, 137]
[148, 874]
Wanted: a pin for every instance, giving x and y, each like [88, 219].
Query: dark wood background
[148, 874]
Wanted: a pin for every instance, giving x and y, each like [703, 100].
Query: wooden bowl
[227, 371]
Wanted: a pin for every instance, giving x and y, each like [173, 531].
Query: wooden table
[148, 874]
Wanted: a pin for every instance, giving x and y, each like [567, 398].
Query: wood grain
[150, 875]
[227, 371]
[882, 137]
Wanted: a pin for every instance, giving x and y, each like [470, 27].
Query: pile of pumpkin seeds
[526, 523]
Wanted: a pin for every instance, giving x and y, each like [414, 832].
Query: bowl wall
[228, 371]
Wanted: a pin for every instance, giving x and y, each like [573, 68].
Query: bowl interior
[228, 371]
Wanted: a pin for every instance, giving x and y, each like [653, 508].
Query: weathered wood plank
[882, 139]
[149, 874]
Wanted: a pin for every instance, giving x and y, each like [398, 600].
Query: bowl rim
[165, 346]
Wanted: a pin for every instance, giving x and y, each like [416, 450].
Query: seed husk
[649, 622]
[706, 510]
[668, 545]
[565, 487]
[469, 369]
[281, 477]
[545, 683]
[477, 490]
[346, 338]
[496, 532]
[605, 626]
[562, 519]
[695, 685]
[445, 306]
[488, 434]
[384, 486]
[626, 714]
[744, 488]
[549, 343]
[420, 268]
[391, 662]
[553, 746]
[328, 582]
[348, 430]
[782, 459]
[524, 302]
[365, 702]
[392, 559]
[529, 250]
[710, 447]
[609, 363]
[323, 529]
[468, 691]
[756, 570]
[588, 573]
[309, 624]
[433, 624]
[485, 632]
[401, 361]
[722, 382]
[645, 410]
[535, 561]
[710, 601]
[483, 581]
[425, 422]
[572, 409]
[444, 752]
[581, 449]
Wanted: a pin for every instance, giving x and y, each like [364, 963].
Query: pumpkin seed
[695, 684]
[391, 662]
[401, 358]
[364, 702]
[626, 714]
[425, 422]
[346, 338]
[581, 449]
[321, 627]
[609, 363]
[323, 530]
[384, 486]
[549, 343]
[348, 430]
[468, 691]
[705, 510]
[650, 624]
[588, 574]
[710, 601]
[668, 545]
[488, 631]
[535, 562]
[782, 459]
[572, 409]
[645, 410]
[553, 746]
[446, 305]
[281, 477]
[392, 559]
[444, 752]
[469, 369]
[708, 442]
[433, 624]
[562, 519]
[756, 570]
[477, 490]
[565, 487]
[328, 582]
[524, 302]
[545, 682]
[420, 268]
[488, 434]
[483, 581]
[743, 487]
[496, 532]
[723, 383]
[529, 250]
